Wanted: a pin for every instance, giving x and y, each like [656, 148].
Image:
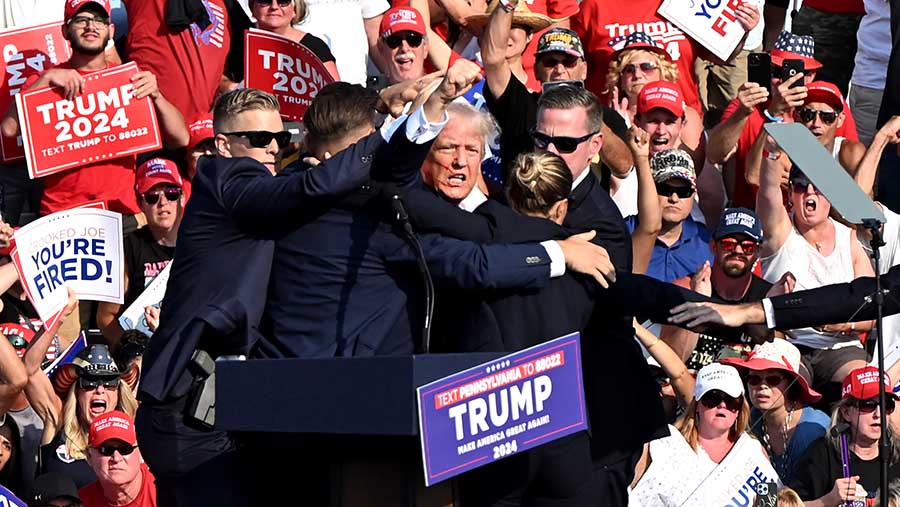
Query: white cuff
[419, 130]
[557, 258]
[770, 313]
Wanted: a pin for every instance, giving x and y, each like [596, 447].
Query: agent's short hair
[238, 101]
[571, 97]
[338, 109]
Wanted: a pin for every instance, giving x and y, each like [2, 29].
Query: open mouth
[404, 61]
[456, 180]
[810, 205]
[659, 141]
[98, 407]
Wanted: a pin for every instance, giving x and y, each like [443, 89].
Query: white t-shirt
[873, 48]
[890, 257]
[812, 270]
[19, 13]
[340, 24]
[755, 37]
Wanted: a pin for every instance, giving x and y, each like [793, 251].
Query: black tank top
[144, 259]
[55, 458]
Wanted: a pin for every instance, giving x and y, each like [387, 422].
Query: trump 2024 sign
[501, 408]
[103, 122]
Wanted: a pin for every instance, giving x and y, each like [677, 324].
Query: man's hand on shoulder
[585, 257]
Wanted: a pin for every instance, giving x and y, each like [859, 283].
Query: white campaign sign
[80, 248]
[133, 317]
[732, 483]
[712, 23]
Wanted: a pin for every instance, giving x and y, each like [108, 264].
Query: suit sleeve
[248, 191]
[843, 302]
[470, 266]
[644, 297]
[409, 141]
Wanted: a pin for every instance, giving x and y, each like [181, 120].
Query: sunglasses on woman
[770, 380]
[870, 405]
[644, 66]
[714, 398]
[665, 190]
[92, 383]
[110, 449]
[172, 194]
[564, 144]
[413, 39]
[808, 115]
[266, 3]
[262, 138]
[748, 246]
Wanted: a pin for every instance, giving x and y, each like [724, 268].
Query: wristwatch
[766, 113]
[508, 5]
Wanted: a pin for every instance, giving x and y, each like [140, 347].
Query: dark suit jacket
[623, 399]
[842, 302]
[223, 257]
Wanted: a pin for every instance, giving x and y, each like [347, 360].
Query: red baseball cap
[826, 93]
[112, 425]
[862, 384]
[200, 130]
[154, 172]
[662, 94]
[73, 7]
[401, 19]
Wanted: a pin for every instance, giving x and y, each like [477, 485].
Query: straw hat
[522, 16]
[778, 355]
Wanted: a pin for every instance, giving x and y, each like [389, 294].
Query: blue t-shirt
[684, 257]
[812, 426]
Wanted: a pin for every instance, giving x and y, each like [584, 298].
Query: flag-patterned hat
[637, 40]
[792, 46]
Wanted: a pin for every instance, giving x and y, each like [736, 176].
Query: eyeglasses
[665, 190]
[413, 39]
[808, 115]
[110, 449]
[567, 61]
[715, 398]
[747, 246]
[662, 380]
[84, 21]
[870, 405]
[92, 383]
[262, 138]
[563, 144]
[800, 186]
[172, 194]
[770, 380]
[266, 3]
[644, 66]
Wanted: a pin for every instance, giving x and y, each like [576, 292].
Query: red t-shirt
[189, 64]
[837, 6]
[745, 193]
[556, 9]
[110, 181]
[92, 494]
[600, 21]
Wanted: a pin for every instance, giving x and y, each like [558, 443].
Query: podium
[351, 423]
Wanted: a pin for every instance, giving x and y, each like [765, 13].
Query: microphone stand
[876, 243]
[403, 217]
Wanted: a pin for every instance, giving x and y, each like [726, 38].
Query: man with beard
[88, 29]
[735, 249]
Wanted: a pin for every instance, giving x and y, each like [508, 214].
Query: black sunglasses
[666, 190]
[110, 449]
[172, 194]
[770, 380]
[870, 405]
[808, 115]
[91, 383]
[715, 397]
[563, 144]
[413, 39]
[800, 185]
[262, 138]
[644, 66]
[568, 61]
[281, 3]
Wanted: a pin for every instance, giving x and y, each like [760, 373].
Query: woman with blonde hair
[80, 391]
[280, 16]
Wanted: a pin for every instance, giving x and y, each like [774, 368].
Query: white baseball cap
[718, 376]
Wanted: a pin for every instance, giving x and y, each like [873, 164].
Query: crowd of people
[559, 166]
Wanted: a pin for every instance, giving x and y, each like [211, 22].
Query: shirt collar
[475, 199]
[581, 177]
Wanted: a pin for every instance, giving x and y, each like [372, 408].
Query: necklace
[782, 465]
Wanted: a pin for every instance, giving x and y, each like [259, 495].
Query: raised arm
[867, 169]
[644, 236]
[438, 51]
[171, 122]
[769, 202]
[494, 43]
[724, 137]
[669, 361]
[13, 377]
